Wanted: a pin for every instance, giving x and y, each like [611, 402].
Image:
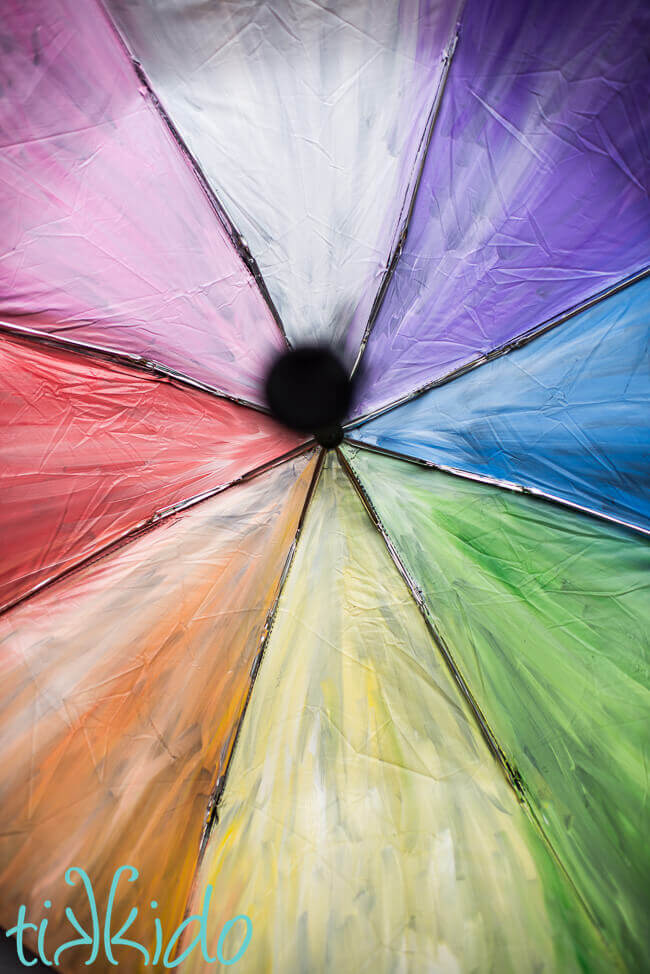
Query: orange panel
[125, 683]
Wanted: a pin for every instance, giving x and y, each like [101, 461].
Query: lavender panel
[534, 194]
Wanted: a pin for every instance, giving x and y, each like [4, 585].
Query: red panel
[88, 450]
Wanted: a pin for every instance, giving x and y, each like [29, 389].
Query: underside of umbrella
[325, 453]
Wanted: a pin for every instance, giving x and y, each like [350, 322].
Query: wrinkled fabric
[123, 688]
[546, 613]
[307, 119]
[107, 235]
[89, 450]
[366, 826]
[568, 414]
[534, 194]
[363, 821]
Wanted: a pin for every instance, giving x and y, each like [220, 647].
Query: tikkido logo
[99, 938]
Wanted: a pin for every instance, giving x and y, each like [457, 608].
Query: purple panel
[534, 194]
[107, 235]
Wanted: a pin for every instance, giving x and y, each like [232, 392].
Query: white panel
[307, 119]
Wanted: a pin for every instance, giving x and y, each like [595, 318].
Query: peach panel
[125, 683]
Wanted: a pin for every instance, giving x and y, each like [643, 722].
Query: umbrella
[325, 385]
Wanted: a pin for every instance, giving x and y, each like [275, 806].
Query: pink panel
[107, 235]
[89, 450]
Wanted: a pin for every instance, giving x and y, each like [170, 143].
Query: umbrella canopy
[325, 444]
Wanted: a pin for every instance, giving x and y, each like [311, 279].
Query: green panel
[365, 825]
[546, 613]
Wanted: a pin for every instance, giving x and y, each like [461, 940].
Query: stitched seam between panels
[510, 346]
[510, 771]
[509, 485]
[212, 811]
[398, 245]
[218, 208]
[158, 517]
[147, 368]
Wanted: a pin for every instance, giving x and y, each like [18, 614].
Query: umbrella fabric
[124, 685]
[108, 236]
[534, 195]
[317, 162]
[94, 450]
[546, 613]
[359, 737]
[566, 416]
[390, 702]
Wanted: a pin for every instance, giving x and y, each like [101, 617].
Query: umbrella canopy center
[309, 390]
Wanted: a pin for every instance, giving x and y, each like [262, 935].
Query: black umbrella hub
[309, 390]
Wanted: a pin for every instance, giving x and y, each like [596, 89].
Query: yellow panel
[365, 825]
[124, 685]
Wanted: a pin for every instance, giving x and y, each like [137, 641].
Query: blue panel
[568, 414]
